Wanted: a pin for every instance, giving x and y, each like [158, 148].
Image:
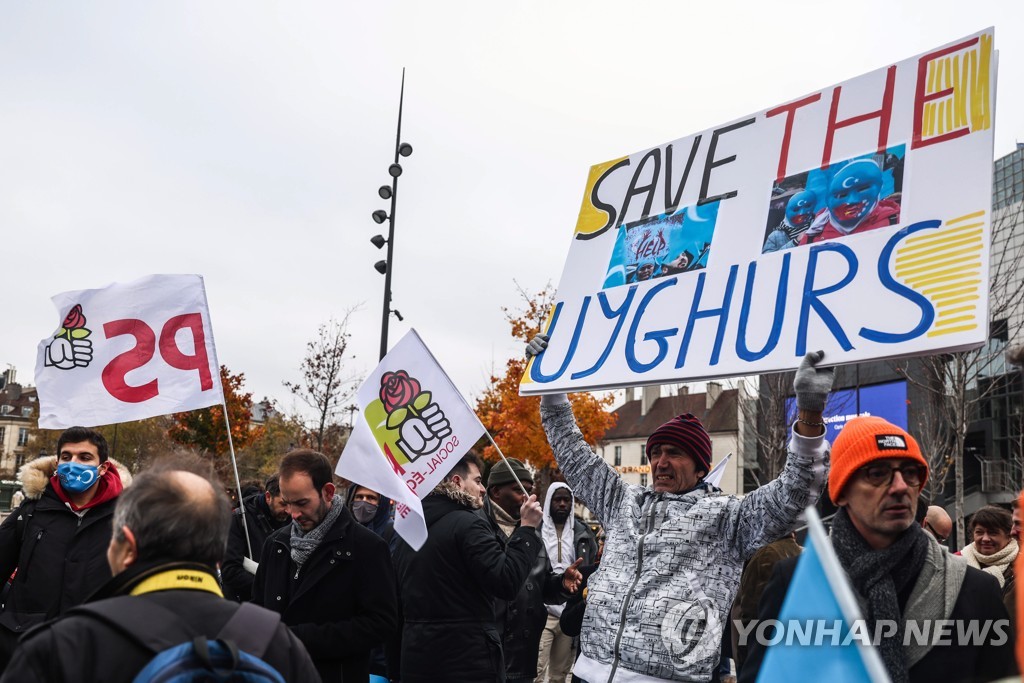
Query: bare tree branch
[327, 385]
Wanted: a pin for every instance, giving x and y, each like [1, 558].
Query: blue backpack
[232, 656]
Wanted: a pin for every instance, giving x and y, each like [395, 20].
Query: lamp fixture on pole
[384, 267]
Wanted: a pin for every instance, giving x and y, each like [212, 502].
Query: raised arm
[771, 511]
[592, 479]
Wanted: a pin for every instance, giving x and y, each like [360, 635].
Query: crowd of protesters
[112, 579]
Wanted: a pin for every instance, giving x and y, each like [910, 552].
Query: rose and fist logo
[421, 424]
[70, 347]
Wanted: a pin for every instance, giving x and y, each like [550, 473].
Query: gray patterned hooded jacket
[657, 607]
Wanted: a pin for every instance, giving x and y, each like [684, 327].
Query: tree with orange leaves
[514, 421]
[204, 429]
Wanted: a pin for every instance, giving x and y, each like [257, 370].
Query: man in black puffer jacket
[57, 539]
[449, 586]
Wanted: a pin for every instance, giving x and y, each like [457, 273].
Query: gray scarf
[304, 543]
[877, 577]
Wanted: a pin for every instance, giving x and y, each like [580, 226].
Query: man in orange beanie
[918, 601]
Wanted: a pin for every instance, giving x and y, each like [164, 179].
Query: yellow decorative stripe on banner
[945, 266]
[959, 81]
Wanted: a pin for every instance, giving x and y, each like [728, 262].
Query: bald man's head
[938, 523]
[173, 512]
[194, 490]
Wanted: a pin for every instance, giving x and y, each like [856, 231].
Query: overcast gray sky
[245, 141]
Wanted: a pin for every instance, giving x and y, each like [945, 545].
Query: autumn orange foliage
[513, 420]
[204, 429]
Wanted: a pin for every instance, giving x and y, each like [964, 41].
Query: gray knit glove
[535, 347]
[812, 383]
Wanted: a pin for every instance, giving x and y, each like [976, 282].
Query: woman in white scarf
[993, 549]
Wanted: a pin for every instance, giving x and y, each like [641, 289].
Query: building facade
[18, 407]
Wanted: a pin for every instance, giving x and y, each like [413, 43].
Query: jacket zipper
[39, 537]
[632, 587]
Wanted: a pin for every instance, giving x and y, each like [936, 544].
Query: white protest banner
[128, 352]
[854, 220]
[415, 427]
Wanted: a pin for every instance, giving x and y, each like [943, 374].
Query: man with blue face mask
[57, 539]
[799, 215]
[854, 204]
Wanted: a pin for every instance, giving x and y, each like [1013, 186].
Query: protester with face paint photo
[854, 204]
[799, 214]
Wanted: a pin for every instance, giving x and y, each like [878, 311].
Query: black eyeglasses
[939, 537]
[880, 474]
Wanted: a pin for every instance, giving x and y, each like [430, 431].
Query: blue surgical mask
[75, 477]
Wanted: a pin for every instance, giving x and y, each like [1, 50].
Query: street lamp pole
[385, 267]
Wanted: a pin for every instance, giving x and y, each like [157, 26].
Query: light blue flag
[814, 630]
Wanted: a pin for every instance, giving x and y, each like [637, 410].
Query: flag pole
[523, 488]
[238, 483]
[227, 425]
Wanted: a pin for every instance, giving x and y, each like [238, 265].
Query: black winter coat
[261, 523]
[61, 558]
[85, 648]
[585, 542]
[343, 602]
[979, 599]
[521, 621]
[448, 590]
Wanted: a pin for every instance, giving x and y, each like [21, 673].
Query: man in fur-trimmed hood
[57, 538]
[449, 587]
